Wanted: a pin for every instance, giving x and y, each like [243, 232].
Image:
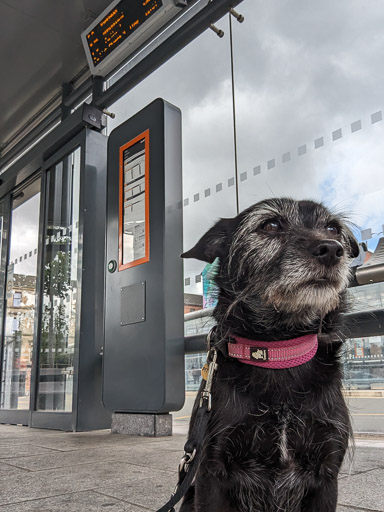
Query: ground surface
[49, 471]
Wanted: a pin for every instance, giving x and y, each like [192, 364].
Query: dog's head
[291, 256]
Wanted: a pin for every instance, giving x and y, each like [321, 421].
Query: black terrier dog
[279, 426]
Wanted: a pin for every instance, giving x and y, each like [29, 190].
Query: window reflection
[367, 297]
[57, 337]
[193, 365]
[20, 299]
[364, 363]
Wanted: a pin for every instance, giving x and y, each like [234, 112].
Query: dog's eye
[333, 229]
[272, 226]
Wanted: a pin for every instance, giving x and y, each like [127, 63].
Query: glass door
[20, 299]
[57, 337]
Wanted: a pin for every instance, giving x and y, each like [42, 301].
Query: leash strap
[189, 464]
[193, 447]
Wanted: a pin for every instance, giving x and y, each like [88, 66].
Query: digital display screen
[134, 213]
[122, 20]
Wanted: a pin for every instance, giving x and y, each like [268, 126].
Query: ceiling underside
[40, 50]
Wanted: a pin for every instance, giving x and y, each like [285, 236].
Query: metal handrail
[200, 313]
[357, 325]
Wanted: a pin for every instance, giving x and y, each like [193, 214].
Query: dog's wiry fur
[276, 438]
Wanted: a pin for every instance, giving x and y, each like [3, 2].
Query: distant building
[192, 302]
[21, 311]
[18, 341]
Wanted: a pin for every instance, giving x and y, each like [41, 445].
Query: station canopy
[41, 49]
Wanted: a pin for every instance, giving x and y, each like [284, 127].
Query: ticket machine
[143, 368]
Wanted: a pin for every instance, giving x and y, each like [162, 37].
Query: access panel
[143, 369]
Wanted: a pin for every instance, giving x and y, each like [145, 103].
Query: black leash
[193, 447]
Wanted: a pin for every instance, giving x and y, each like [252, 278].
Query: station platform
[51, 471]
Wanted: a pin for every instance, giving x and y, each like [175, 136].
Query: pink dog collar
[274, 354]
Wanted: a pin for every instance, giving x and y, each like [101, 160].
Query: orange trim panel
[122, 200]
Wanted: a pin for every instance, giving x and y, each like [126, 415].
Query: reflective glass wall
[316, 124]
[309, 122]
[59, 308]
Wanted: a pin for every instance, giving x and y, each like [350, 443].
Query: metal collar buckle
[185, 461]
[206, 394]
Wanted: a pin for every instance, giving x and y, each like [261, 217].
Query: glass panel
[364, 368]
[57, 337]
[367, 297]
[194, 325]
[134, 202]
[1, 234]
[332, 150]
[20, 299]
[313, 134]
[193, 365]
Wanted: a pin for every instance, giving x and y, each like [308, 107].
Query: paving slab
[151, 456]
[8, 469]
[11, 450]
[73, 441]
[364, 490]
[363, 457]
[96, 471]
[43, 484]
[87, 501]
[152, 493]
[356, 509]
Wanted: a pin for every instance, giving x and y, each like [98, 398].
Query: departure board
[117, 25]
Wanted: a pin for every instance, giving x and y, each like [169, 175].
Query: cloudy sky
[308, 84]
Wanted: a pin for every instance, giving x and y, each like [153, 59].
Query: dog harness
[274, 354]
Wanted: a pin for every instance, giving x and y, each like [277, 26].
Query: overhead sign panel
[122, 28]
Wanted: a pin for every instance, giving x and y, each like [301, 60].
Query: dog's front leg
[210, 495]
[321, 499]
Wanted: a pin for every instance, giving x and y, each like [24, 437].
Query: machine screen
[134, 202]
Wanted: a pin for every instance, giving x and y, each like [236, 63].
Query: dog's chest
[265, 437]
[285, 456]
[257, 461]
[271, 440]
[264, 459]
[271, 436]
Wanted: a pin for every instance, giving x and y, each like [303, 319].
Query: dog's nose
[328, 252]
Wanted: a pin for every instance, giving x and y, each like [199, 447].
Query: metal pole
[234, 117]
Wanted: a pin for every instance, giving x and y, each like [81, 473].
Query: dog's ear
[211, 245]
[354, 249]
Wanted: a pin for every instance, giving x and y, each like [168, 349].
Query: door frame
[58, 420]
[87, 412]
[32, 417]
